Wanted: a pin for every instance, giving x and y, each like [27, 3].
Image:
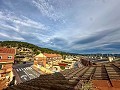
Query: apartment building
[44, 58]
[52, 58]
[40, 60]
[6, 62]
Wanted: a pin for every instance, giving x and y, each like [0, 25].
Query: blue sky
[78, 26]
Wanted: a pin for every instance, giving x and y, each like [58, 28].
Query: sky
[76, 26]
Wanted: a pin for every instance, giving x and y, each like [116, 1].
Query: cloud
[97, 36]
[4, 35]
[7, 36]
[19, 26]
[5, 26]
[114, 45]
[23, 21]
[89, 26]
[56, 43]
[46, 9]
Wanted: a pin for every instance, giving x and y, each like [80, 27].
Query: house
[52, 58]
[40, 60]
[45, 58]
[59, 57]
[110, 58]
[6, 62]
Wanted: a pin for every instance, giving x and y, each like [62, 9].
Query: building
[110, 59]
[6, 62]
[22, 53]
[40, 60]
[99, 77]
[46, 62]
[52, 58]
[86, 62]
[59, 57]
[68, 63]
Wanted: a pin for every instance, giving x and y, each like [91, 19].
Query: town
[59, 45]
[69, 66]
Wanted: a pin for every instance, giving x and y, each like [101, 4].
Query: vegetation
[34, 48]
[62, 67]
[87, 86]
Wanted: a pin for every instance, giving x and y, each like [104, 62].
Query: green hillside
[34, 48]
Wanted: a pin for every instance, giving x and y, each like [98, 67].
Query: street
[25, 72]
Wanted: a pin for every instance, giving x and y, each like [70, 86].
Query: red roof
[58, 55]
[7, 50]
[50, 55]
[62, 64]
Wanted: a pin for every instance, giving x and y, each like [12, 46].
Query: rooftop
[7, 50]
[50, 55]
[102, 76]
[40, 55]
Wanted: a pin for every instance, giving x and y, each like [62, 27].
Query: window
[9, 57]
[0, 57]
[0, 66]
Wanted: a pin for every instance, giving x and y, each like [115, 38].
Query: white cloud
[11, 37]
[4, 35]
[82, 20]
[17, 38]
[46, 9]
[108, 39]
[23, 21]
[19, 25]
[8, 27]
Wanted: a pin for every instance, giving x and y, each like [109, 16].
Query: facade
[52, 58]
[22, 53]
[6, 62]
[59, 57]
[99, 77]
[47, 60]
[68, 63]
[40, 60]
[110, 59]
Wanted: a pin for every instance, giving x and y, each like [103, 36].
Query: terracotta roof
[45, 82]
[58, 55]
[3, 84]
[7, 50]
[50, 55]
[104, 76]
[101, 76]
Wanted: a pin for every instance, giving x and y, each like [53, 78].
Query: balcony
[5, 70]
[8, 70]
[2, 71]
[6, 61]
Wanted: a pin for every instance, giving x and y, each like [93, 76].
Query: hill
[34, 48]
[26, 51]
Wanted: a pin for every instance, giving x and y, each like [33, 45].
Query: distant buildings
[43, 59]
[98, 77]
[52, 58]
[6, 62]
[40, 60]
[86, 62]
[68, 63]
[110, 58]
[24, 54]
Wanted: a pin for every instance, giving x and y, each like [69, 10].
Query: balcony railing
[2, 70]
[5, 70]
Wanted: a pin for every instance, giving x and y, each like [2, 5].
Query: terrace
[101, 77]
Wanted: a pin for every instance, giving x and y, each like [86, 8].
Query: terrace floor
[102, 77]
